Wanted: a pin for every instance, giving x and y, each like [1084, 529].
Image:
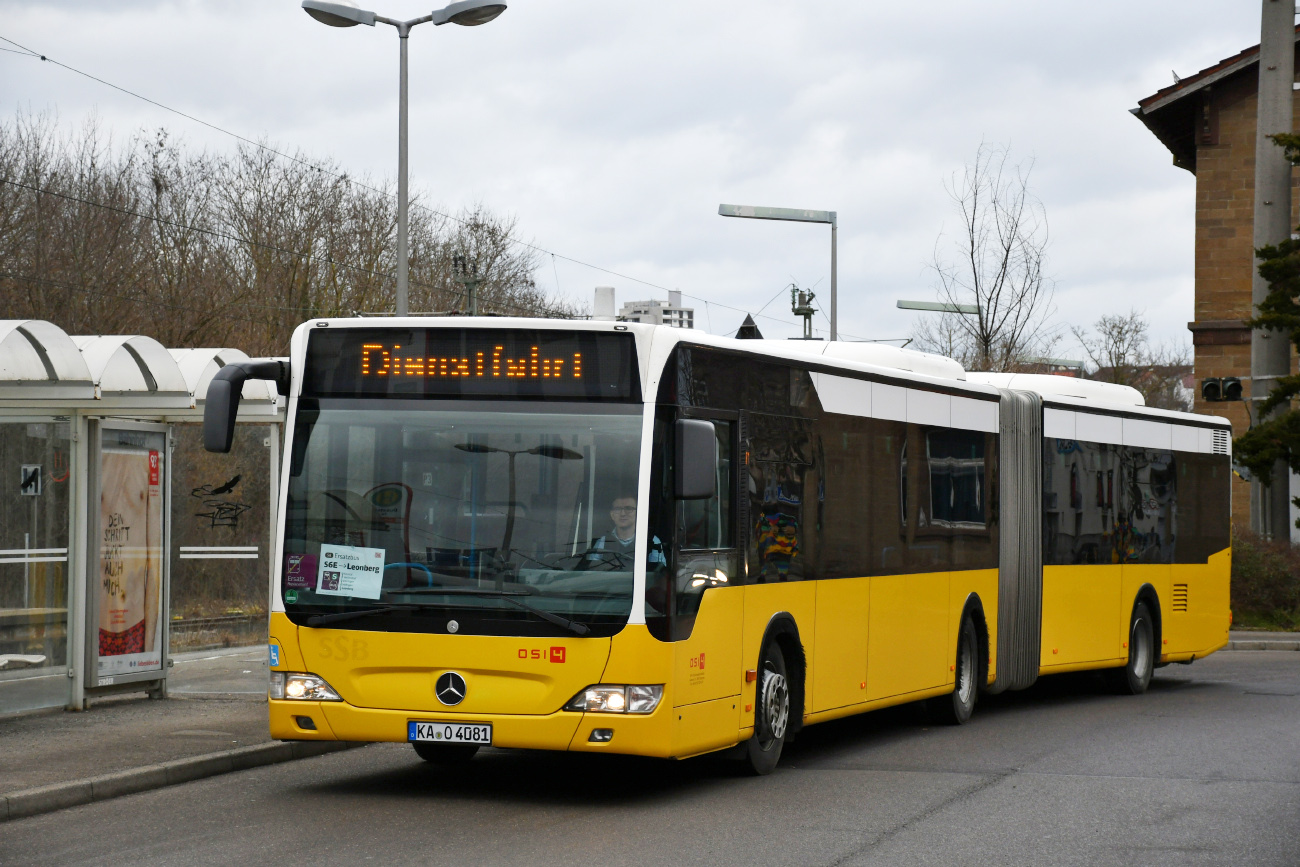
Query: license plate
[449, 732]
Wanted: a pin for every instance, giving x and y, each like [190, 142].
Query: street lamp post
[795, 215]
[468, 13]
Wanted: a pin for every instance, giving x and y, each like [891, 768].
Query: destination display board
[470, 362]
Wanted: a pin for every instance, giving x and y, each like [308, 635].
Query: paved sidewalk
[1259, 639]
[214, 722]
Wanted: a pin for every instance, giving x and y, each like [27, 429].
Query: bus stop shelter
[101, 476]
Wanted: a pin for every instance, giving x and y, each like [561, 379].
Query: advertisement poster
[130, 561]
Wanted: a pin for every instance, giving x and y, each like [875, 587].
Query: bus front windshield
[475, 517]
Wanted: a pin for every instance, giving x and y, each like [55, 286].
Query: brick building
[1207, 121]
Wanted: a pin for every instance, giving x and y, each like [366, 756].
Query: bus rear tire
[445, 755]
[956, 707]
[771, 713]
[1135, 676]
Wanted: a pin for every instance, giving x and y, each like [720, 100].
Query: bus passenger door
[707, 596]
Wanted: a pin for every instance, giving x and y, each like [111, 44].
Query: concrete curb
[1261, 644]
[58, 796]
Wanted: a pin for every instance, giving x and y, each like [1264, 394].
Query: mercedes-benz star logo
[450, 688]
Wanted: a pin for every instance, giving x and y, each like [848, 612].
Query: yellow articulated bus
[602, 537]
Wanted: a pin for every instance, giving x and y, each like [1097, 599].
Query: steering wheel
[600, 560]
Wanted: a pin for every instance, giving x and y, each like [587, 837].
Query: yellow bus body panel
[1084, 629]
[838, 675]
[1081, 606]
[707, 665]
[284, 635]
[503, 674]
[896, 634]
[909, 636]
[762, 603]
[983, 585]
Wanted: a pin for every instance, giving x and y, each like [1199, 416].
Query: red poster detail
[118, 643]
[153, 468]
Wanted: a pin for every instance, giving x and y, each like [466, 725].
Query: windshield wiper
[508, 596]
[341, 616]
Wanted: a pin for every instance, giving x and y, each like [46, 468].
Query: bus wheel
[1135, 676]
[956, 707]
[771, 715]
[445, 755]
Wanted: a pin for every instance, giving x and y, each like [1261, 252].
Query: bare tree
[995, 262]
[1120, 351]
[143, 237]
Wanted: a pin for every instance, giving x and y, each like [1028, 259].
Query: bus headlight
[299, 686]
[617, 698]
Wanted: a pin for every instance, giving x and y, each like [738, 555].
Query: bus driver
[615, 549]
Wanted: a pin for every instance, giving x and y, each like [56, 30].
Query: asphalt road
[1204, 769]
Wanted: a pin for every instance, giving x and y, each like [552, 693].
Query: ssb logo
[555, 654]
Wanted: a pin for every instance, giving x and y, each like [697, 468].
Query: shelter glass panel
[34, 477]
[220, 538]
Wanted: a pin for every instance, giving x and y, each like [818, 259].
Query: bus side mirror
[695, 476]
[224, 392]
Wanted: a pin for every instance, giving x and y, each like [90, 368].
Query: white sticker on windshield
[348, 571]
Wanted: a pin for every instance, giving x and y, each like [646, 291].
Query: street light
[940, 307]
[468, 13]
[794, 215]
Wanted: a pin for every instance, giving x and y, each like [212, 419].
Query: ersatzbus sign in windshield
[602, 537]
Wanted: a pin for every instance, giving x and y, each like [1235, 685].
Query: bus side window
[707, 524]
[706, 533]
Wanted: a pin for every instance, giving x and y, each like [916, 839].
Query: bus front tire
[445, 755]
[1135, 676]
[956, 707]
[771, 713]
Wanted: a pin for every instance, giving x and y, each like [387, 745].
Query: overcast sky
[612, 130]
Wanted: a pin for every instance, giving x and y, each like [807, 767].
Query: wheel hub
[776, 704]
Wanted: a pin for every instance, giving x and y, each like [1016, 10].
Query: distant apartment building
[655, 312]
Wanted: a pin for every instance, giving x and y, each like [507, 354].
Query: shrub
[1265, 582]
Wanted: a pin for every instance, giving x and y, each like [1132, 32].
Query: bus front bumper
[643, 735]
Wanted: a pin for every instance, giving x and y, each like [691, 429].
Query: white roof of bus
[656, 341]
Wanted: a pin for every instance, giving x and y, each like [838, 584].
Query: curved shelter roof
[134, 368]
[198, 366]
[41, 366]
[41, 362]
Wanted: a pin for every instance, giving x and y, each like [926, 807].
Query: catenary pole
[1270, 352]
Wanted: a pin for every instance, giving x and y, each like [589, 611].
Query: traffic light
[1217, 388]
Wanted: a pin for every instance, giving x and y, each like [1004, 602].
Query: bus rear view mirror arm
[224, 392]
[696, 459]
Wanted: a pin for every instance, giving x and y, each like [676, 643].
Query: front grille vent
[1221, 442]
[1180, 597]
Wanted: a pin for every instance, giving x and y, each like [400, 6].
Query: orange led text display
[378, 359]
